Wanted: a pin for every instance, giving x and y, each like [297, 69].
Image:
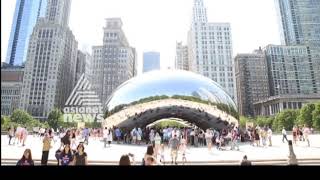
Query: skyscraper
[114, 62]
[181, 60]
[50, 69]
[151, 61]
[210, 49]
[251, 80]
[299, 21]
[26, 14]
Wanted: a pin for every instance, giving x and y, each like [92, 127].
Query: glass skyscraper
[299, 21]
[25, 17]
[151, 61]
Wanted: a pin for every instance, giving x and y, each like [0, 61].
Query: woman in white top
[208, 137]
[269, 136]
[157, 140]
[109, 136]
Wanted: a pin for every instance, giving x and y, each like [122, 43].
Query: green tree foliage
[264, 121]
[5, 122]
[316, 116]
[305, 116]
[21, 117]
[55, 119]
[285, 119]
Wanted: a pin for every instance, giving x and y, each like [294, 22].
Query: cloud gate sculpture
[170, 94]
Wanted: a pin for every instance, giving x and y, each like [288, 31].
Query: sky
[156, 25]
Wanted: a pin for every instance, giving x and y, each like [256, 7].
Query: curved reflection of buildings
[170, 93]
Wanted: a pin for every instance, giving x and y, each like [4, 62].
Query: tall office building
[151, 61]
[251, 80]
[114, 62]
[292, 79]
[299, 21]
[26, 14]
[83, 65]
[210, 49]
[181, 60]
[50, 69]
[291, 70]
[11, 85]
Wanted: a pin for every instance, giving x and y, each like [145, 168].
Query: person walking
[208, 136]
[10, 134]
[174, 144]
[284, 135]
[292, 159]
[157, 140]
[110, 136]
[270, 136]
[105, 136]
[45, 149]
[306, 132]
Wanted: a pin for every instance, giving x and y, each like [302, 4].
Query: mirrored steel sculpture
[170, 94]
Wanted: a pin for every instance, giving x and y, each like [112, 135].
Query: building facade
[275, 104]
[11, 85]
[181, 60]
[291, 70]
[50, 69]
[210, 49]
[251, 80]
[299, 21]
[114, 62]
[151, 61]
[26, 14]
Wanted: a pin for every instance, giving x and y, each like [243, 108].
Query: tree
[316, 116]
[55, 118]
[305, 116]
[243, 121]
[5, 122]
[284, 119]
[264, 121]
[21, 117]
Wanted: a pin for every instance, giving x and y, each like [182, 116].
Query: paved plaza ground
[96, 151]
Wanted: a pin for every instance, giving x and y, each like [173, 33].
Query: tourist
[86, 134]
[118, 134]
[292, 159]
[208, 136]
[149, 153]
[284, 135]
[110, 137]
[234, 139]
[183, 148]
[270, 136]
[245, 161]
[157, 141]
[45, 149]
[151, 137]
[66, 138]
[105, 136]
[10, 134]
[134, 135]
[24, 135]
[162, 150]
[174, 144]
[306, 133]
[80, 157]
[66, 156]
[294, 134]
[139, 136]
[256, 137]
[73, 140]
[124, 160]
[26, 159]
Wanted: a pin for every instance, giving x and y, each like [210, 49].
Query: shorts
[139, 138]
[174, 153]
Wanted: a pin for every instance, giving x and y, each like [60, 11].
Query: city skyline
[159, 31]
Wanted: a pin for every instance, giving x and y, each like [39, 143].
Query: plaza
[97, 154]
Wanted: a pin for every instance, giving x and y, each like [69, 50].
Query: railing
[275, 162]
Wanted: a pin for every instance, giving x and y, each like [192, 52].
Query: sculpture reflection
[170, 93]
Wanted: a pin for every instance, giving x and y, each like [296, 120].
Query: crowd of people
[72, 149]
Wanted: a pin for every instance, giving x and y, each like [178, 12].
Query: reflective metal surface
[182, 93]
